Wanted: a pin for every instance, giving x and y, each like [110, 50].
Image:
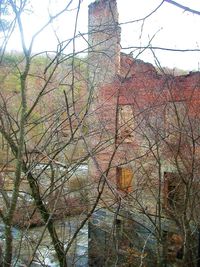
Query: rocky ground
[28, 215]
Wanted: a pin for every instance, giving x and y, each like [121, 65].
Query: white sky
[174, 27]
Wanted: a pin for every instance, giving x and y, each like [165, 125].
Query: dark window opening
[179, 254]
[173, 191]
[175, 121]
[125, 124]
[173, 246]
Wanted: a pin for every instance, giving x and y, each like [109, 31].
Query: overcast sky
[172, 27]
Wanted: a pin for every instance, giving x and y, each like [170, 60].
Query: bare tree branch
[185, 8]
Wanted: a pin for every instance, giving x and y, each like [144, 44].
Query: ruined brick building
[145, 133]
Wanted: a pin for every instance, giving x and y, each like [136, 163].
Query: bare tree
[43, 120]
[118, 116]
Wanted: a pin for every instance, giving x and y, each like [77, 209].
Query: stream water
[26, 246]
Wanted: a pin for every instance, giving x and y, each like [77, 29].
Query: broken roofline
[111, 20]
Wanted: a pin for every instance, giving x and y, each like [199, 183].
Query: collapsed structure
[145, 134]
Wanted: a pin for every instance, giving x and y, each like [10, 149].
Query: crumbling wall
[120, 80]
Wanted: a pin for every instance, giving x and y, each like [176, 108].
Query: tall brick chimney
[104, 42]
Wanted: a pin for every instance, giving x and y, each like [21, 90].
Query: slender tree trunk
[7, 260]
[58, 246]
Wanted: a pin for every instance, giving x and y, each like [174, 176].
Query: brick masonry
[122, 80]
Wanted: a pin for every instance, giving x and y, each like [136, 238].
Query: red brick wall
[135, 83]
[148, 92]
